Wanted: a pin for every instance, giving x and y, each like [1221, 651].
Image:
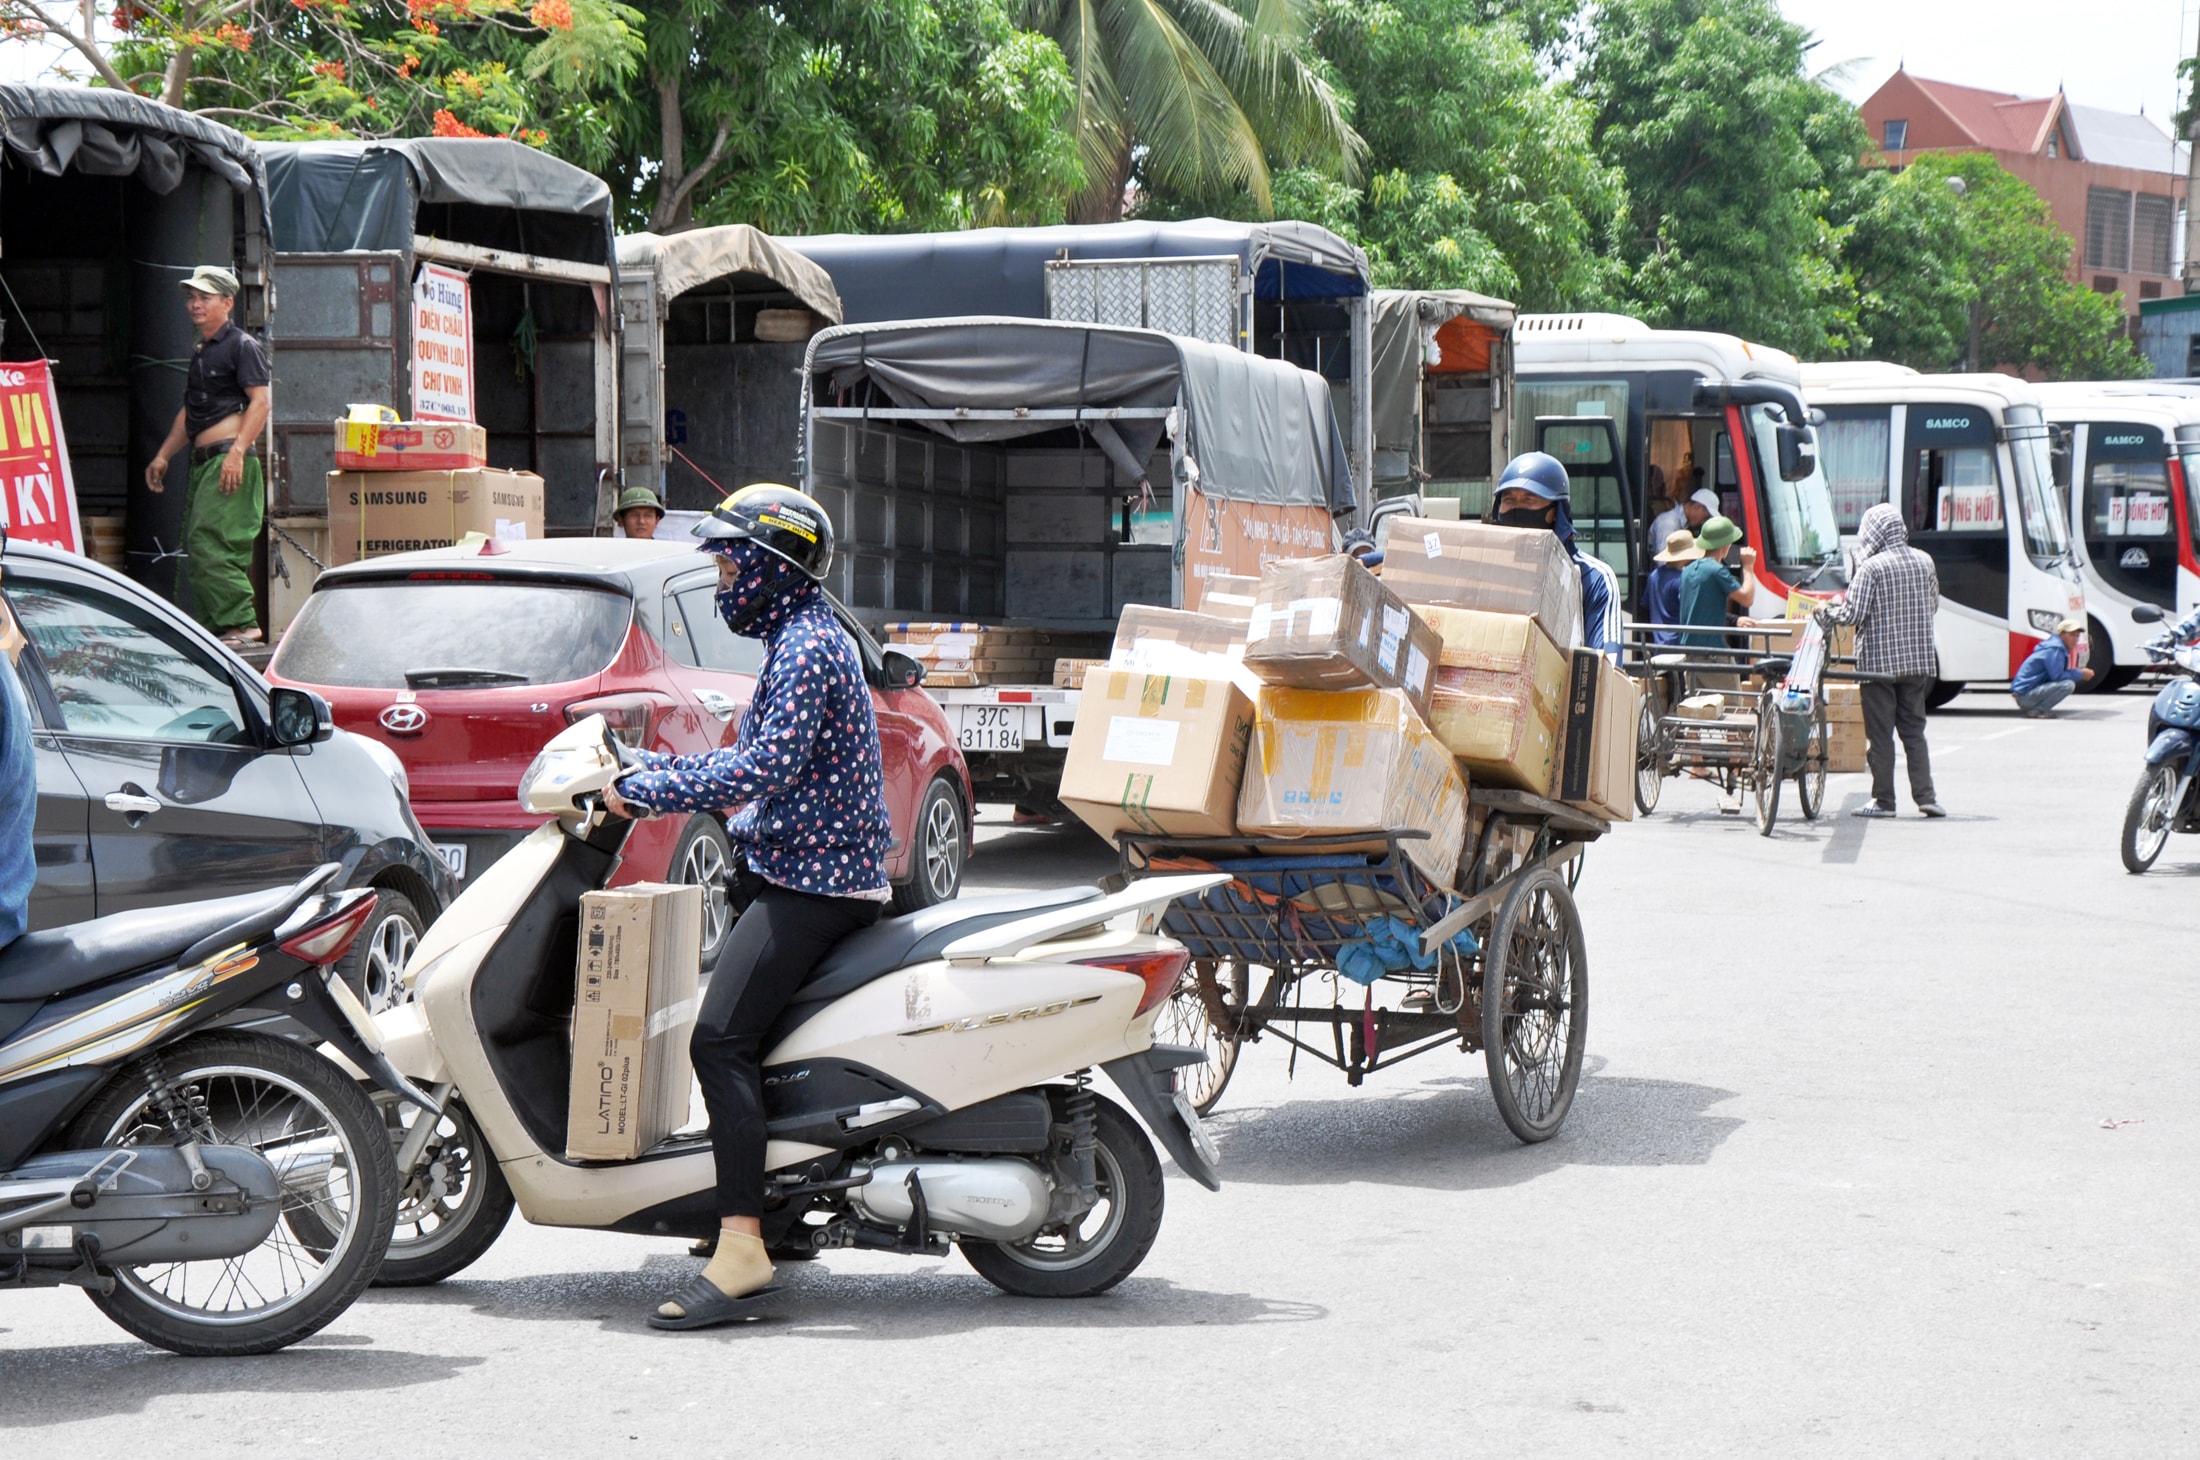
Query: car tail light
[325, 941]
[1162, 970]
[632, 717]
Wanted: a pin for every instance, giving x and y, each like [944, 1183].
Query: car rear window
[484, 633]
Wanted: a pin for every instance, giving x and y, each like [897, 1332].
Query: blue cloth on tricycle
[1393, 945]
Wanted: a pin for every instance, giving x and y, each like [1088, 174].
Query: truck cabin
[717, 320]
[364, 231]
[1613, 398]
[1442, 396]
[1050, 473]
[1289, 291]
[107, 202]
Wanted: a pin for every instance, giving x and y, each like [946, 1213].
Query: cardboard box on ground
[373, 513]
[633, 1009]
[1328, 623]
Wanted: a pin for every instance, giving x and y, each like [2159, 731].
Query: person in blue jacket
[1661, 592]
[1532, 491]
[2046, 677]
[804, 769]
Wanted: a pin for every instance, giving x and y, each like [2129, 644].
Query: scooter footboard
[1148, 1081]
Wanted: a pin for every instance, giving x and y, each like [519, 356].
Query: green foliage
[1926, 255]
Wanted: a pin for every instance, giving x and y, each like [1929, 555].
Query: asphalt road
[1886, 1147]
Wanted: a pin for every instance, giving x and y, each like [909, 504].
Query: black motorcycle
[214, 1189]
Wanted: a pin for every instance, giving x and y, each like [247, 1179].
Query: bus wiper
[1817, 572]
[453, 678]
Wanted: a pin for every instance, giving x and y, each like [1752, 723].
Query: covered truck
[1442, 393]
[360, 228]
[107, 202]
[1045, 475]
[1288, 290]
[716, 323]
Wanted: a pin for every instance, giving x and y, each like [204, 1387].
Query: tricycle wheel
[1810, 781]
[1535, 1005]
[1187, 1018]
[1765, 767]
[1649, 755]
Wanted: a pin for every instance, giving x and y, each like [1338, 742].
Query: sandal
[702, 1305]
[243, 638]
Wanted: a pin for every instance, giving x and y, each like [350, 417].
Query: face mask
[1524, 517]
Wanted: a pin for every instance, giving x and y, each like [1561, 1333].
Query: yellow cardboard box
[1500, 695]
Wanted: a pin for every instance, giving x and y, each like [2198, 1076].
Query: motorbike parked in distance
[214, 1190]
[928, 1084]
[2165, 800]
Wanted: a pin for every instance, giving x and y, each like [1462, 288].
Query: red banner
[37, 494]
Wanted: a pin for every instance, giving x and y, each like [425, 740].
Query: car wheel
[936, 862]
[704, 858]
[375, 963]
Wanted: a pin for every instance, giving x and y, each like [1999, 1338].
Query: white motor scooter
[928, 1084]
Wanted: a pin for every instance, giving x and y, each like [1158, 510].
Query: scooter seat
[62, 960]
[916, 937]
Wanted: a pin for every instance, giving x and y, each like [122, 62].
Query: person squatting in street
[805, 772]
[1893, 595]
[2050, 672]
[225, 406]
[1533, 491]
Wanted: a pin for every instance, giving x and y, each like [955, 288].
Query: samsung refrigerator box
[373, 513]
[1522, 570]
[1597, 754]
[640, 949]
[1328, 623]
[1157, 754]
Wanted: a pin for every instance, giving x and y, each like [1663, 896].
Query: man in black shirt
[225, 406]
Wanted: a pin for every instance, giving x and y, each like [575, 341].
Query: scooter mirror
[2148, 613]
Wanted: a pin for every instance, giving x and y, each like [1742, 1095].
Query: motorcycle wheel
[1105, 1245]
[451, 1207]
[2149, 817]
[322, 1134]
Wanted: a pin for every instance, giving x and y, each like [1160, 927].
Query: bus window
[1533, 398]
[1951, 499]
[1854, 448]
[1597, 499]
[2125, 511]
[2045, 514]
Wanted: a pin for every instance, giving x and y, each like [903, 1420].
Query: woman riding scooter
[804, 769]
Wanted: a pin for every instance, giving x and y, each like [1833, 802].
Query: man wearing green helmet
[638, 512]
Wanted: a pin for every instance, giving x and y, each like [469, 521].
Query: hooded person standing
[804, 769]
[1893, 594]
[1532, 492]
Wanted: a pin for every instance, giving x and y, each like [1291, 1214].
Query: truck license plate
[991, 727]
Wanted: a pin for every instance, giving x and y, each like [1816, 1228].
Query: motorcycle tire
[1082, 1265]
[323, 1105]
[2143, 840]
[419, 1256]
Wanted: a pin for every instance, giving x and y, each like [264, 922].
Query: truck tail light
[632, 717]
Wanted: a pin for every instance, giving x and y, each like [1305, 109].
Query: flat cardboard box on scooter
[372, 513]
[640, 950]
[1157, 754]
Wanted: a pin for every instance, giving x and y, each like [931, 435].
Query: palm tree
[1198, 94]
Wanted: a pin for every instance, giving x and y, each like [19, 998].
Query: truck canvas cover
[106, 133]
[697, 256]
[1260, 430]
[337, 197]
[1401, 318]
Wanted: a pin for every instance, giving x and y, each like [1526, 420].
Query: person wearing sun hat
[1661, 598]
[1709, 586]
[2048, 675]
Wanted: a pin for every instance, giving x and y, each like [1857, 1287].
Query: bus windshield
[2046, 519]
[2188, 457]
[1805, 550]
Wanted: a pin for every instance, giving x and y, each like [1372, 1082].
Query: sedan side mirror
[898, 671]
[2148, 613]
[298, 716]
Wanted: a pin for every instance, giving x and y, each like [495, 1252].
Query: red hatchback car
[464, 662]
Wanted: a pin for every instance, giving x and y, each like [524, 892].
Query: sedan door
[183, 801]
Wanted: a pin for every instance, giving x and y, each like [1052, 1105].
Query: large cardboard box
[1329, 762]
[410, 446]
[1170, 641]
[1492, 569]
[1597, 753]
[1328, 623]
[372, 513]
[1500, 695]
[1158, 754]
[1225, 595]
[633, 1009]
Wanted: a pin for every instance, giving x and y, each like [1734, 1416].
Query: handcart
[1780, 735]
[1305, 924]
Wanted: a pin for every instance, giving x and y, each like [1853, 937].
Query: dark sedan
[161, 778]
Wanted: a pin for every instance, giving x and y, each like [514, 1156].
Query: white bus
[2128, 455]
[1613, 398]
[1965, 457]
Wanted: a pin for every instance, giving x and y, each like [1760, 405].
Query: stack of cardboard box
[964, 655]
[1844, 727]
[402, 485]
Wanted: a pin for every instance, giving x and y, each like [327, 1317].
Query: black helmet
[778, 519]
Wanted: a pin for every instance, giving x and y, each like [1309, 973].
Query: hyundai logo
[404, 719]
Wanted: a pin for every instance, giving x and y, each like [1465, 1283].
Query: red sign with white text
[37, 494]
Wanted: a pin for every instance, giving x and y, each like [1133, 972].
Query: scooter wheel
[1099, 1249]
[2149, 817]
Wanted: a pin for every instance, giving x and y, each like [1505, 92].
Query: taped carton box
[1226, 595]
[393, 445]
[1597, 752]
[1328, 623]
[1334, 762]
[1170, 641]
[1492, 569]
[1500, 697]
[1070, 673]
[1701, 707]
[373, 513]
[633, 1009]
[1157, 754]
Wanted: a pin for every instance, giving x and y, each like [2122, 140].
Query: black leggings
[783, 935]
